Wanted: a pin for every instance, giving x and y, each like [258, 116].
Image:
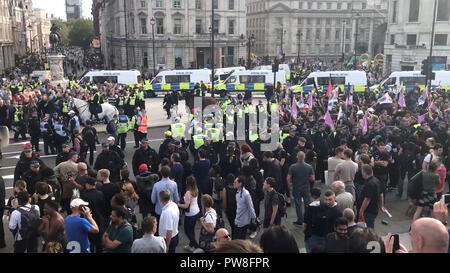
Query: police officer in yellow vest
[197, 140]
[178, 130]
[95, 102]
[133, 126]
[131, 104]
[19, 125]
[141, 98]
[122, 128]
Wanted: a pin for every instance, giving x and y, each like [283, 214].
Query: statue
[55, 39]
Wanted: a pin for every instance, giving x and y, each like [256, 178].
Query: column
[352, 38]
[370, 47]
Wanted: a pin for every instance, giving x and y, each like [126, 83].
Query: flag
[331, 103]
[330, 88]
[310, 101]
[364, 124]
[349, 101]
[329, 120]
[401, 100]
[385, 99]
[294, 108]
[421, 118]
[424, 97]
[431, 105]
[341, 114]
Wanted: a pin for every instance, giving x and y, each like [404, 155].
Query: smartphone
[446, 198]
[396, 243]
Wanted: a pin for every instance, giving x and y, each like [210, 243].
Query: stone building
[74, 9]
[6, 37]
[182, 30]
[409, 29]
[316, 28]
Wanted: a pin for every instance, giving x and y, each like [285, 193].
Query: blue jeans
[370, 219]
[315, 242]
[298, 194]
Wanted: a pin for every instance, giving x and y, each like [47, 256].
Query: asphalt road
[399, 223]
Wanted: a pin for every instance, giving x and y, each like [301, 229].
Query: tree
[81, 32]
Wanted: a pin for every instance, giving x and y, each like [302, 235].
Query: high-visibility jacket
[65, 108]
[213, 134]
[132, 101]
[253, 136]
[122, 121]
[198, 141]
[142, 123]
[141, 95]
[77, 123]
[121, 101]
[16, 114]
[132, 124]
[283, 136]
[273, 107]
[178, 130]
[147, 85]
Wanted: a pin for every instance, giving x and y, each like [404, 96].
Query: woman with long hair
[130, 195]
[192, 212]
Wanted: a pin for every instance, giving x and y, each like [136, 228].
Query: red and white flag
[330, 88]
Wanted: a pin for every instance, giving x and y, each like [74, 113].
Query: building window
[347, 47]
[318, 21]
[328, 21]
[299, 21]
[118, 25]
[177, 26]
[216, 26]
[392, 39]
[414, 6]
[142, 4]
[394, 11]
[308, 21]
[411, 39]
[215, 4]
[231, 27]
[349, 6]
[347, 34]
[440, 39]
[443, 10]
[159, 26]
[178, 52]
[308, 34]
[337, 48]
[339, 5]
[328, 5]
[159, 3]
[145, 65]
[337, 35]
[364, 5]
[198, 4]
[309, 5]
[230, 4]
[160, 55]
[177, 3]
[327, 33]
[317, 34]
[198, 26]
[143, 25]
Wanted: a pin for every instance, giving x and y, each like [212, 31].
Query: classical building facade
[182, 30]
[22, 18]
[408, 36]
[316, 28]
[74, 9]
[41, 25]
[6, 37]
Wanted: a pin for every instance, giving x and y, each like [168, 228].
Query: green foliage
[76, 32]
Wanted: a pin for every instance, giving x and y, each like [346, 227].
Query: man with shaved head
[428, 235]
[222, 235]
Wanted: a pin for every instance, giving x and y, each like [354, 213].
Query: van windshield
[388, 81]
[310, 81]
[231, 79]
[413, 80]
[157, 80]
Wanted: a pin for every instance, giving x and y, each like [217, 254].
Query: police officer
[47, 135]
[74, 123]
[122, 128]
[109, 160]
[197, 140]
[95, 102]
[178, 129]
[131, 104]
[34, 131]
[64, 155]
[19, 123]
[164, 147]
[134, 127]
[145, 155]
[60, 134]
[113, 147]
[167, 104]
[209, 150]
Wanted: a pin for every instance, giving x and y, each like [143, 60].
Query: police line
[219, 87]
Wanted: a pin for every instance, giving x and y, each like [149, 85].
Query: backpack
[281, 205]
[29, 223]
[89, 136]
[415, 186]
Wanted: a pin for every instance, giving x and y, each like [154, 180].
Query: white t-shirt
[427, 158]
[211, 217]
[193, 206]
[170, 217]
[15, 219]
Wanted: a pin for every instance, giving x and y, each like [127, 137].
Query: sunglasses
[226, 236]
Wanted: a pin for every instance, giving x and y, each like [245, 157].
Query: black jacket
[110, 160]
[145, 183]
[61, 157]
[149, 157]
[164, 148]
[24, 165]
[32, 179]
[34, 127]
[116, 149]
[96, 202]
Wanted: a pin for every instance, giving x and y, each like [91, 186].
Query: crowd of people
[335, 163]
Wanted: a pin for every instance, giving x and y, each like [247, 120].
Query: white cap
[371, 109]
[71, 112]
[177, 119]
[360, 112]
[229, 134]
[78, 202]
[111, 138]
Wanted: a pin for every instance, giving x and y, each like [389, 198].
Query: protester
[191, 212]
[169, 217]
[245, 213]
[149, 243]
[278, 239]
[118, 237]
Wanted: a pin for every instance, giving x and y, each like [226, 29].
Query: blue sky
[58, 7]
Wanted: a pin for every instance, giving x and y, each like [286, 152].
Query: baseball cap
[90, 180]
[27, 147]
[360, 112]
[105, 144]
[78, 202]
[35, 164]
[229, 134]
[111, 138]
[143, 168]
[71, 112]
[177, 119]
[292, 130]
[371, 110]
[64, 145]
[144, 141]
[168, 133]
[302, 139]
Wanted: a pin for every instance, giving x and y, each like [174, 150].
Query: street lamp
[299, 36]
[282, 52]
[152, 22]
[357, 15]
[30, 27]
[344, 22]
[251, 41]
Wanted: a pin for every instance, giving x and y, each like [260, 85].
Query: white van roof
[405, 73]
[113, 72]
[182, 72]
[334, 73]
[255, 72]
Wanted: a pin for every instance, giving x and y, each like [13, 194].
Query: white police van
[281, 67]
[179, 80]
[111, 76]
[357, 79]
[410, 79]
[41, 75]
[222, 74]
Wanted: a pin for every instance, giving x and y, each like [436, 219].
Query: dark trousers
[240, 233]
[123, 141]
[65, 205]
[142, 135]
[136, 138]
[59, 140]
[231, 218]
[48, 143]
[30, 246]
[91, 154]
[2, 231]
[321, 167]
[35, 143]
[189, 229]
[22, 133]
[173, 244]
[96, 242]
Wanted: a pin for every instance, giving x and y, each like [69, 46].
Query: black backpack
[29, 223]
[89, 136]
[281, 205]
[415, 186]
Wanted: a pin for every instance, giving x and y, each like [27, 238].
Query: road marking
[5, 168]
[11, 153]
[9, 188]
[8, 177]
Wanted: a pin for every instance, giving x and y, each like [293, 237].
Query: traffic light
[425, 69]
[275, 66]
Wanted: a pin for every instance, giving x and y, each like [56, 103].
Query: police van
[281, 67]
[357, 79]
[178, 80]
[41, 75]
[410, 79]
[221, 74]
[253, 80]
[111, 76]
